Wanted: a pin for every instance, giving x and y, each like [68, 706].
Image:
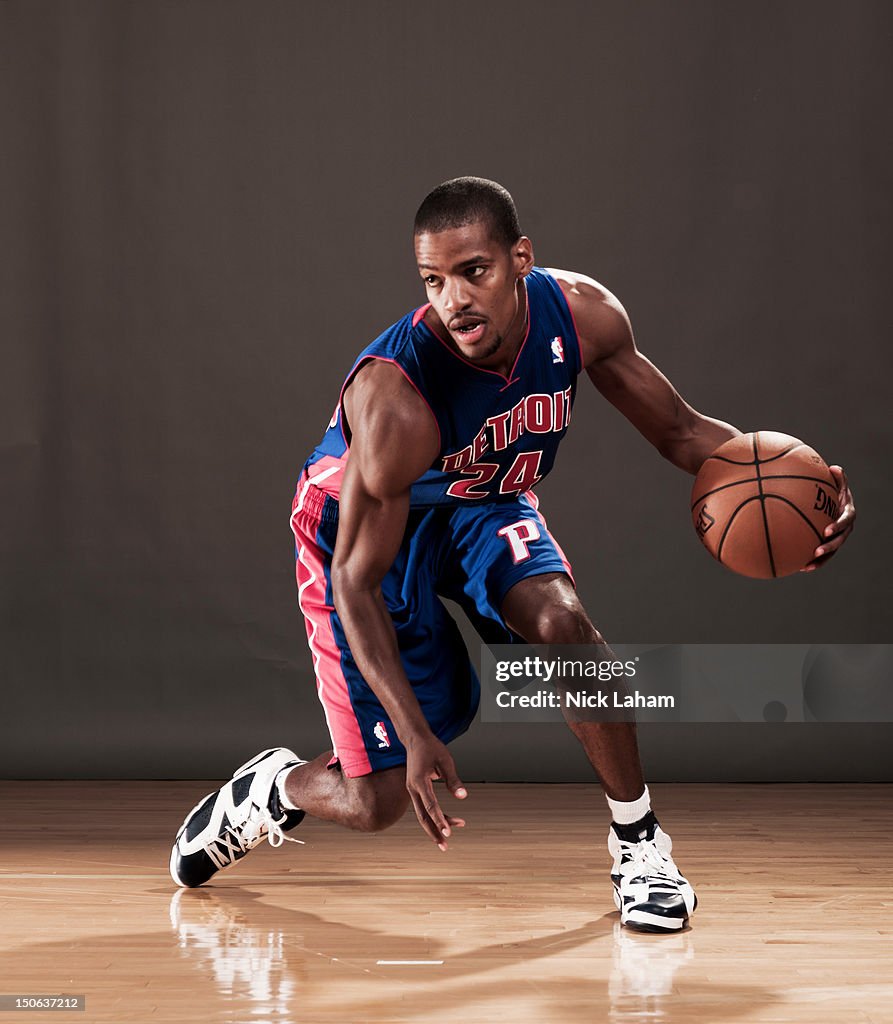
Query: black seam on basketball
[752, 479]
[756, 456]
[797, 476]
[737, 462]
[728, 525]
[805, 518]
[736, 483]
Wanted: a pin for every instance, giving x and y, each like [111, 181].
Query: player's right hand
[838, 531]
[428, 759]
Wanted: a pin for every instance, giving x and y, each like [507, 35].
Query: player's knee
[376, 819]
[563, 624]
[374, 812]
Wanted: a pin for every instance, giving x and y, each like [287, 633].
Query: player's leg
[254, 805]
[360, 783]
[515, 584]
[363, 788]
[513, 581]
[368, 803]
[545, 609]
[649, 890]
[225, 825]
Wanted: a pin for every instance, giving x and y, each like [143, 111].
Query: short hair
[462, 201]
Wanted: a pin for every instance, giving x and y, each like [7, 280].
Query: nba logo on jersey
[557, 350]
[381, 734]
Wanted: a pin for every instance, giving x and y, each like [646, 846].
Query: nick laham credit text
[583, 699]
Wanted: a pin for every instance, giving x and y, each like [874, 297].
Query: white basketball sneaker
[225, 825]
[650, 892]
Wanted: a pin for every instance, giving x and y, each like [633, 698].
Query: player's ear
[522, 256]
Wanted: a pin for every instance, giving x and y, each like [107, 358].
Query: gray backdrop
[205, 211]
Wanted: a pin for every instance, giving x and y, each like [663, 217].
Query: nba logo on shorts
[557, 350]
[381, 734]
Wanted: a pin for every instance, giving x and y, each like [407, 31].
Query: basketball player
[421, 488]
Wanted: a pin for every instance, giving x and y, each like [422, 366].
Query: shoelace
[236, 841]
[645, 854]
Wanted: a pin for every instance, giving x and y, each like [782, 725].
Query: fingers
[827, 548]
[844, 523]
[453, 782]
[840, 478]
[430, 814]
[837, 532]
[423, 811]
[817, 561]
[436, 824]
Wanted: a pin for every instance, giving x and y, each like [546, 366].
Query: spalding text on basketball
[705, 521]
[825, 503]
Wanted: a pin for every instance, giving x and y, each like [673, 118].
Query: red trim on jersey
[347, 380]
[420, 313]
[415, 387]
[483, 369]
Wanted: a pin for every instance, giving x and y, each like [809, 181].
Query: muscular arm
[394, 439]
[636, 387]
[632, 383]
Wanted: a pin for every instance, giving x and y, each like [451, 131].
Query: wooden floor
[516, 921]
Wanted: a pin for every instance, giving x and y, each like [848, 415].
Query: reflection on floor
[257, 954]
[515, 923]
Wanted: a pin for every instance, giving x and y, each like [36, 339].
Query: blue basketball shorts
[472, 555]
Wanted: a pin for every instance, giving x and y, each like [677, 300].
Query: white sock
[626, 812]
[280, 788]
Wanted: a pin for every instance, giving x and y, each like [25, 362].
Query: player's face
[475, 286]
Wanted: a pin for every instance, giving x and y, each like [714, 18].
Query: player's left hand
[837, 532]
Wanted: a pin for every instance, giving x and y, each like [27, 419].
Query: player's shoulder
[602, 322]
[393, 340]
[394, 355]
[582, 290]
[383, 380]
[391, 427]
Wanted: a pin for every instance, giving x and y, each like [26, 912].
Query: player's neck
[515, 335]
[503, 359]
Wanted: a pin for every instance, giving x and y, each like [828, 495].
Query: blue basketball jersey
[498, 435]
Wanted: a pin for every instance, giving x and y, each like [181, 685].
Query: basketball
[760, 504]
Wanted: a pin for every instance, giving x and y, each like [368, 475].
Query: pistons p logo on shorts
[518, 536]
